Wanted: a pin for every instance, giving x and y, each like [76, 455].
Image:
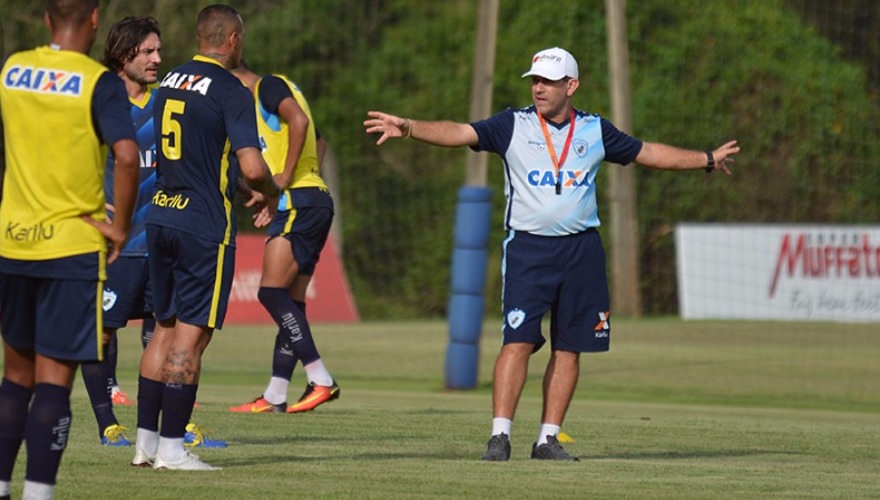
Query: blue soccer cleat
[197, 436]
[114, 435]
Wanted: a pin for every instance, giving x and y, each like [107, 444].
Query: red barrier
[328, 298]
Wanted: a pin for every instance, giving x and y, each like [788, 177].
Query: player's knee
[271, 297]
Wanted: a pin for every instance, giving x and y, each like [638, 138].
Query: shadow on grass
[373, 457]
[441, 411]
[293, 439]
[457, 456]
[681, 455]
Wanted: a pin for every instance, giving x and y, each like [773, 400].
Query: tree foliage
[762, 71]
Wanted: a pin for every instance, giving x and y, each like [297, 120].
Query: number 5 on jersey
[171, 130]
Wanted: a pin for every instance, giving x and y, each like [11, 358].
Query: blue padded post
[473, 219]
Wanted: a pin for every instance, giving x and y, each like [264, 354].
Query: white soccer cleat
[142, 459]
[189, 461]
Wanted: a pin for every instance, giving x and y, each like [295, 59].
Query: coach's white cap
[553, 64]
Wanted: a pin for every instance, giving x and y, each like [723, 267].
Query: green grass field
[675, 409]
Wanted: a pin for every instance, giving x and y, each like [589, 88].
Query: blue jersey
[534, 204]
[204, 114]
[142, 118]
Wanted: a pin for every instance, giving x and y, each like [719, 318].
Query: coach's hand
[388, 125]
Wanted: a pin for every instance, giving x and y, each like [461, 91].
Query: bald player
[206, 140]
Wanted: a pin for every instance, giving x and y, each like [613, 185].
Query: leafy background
[795, 81]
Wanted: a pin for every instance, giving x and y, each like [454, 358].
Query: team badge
[109, 299]
[580, 147]
[515, 318]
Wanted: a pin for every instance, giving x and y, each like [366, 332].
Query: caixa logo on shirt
[603, 327]
[183, 81]
[148, 158]
[570, 178]
[43, 80]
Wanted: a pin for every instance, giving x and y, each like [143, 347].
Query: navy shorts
[564, 275]
[127, 292]
[191, 276]
[306, 228]
[53, 307]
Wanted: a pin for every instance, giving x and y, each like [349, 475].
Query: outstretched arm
[665, 157]
[438, 133]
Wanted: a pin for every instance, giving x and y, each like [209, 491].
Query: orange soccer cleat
[259, 405]
[120, 398]
[313, 396]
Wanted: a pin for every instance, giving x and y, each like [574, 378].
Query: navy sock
[98, 384]
[302, 307]
[177, 407]
[14, 402]
[147, 329]
[111, 355]
[46, 432]
[292, 322]
[149, 400]
[283, 358]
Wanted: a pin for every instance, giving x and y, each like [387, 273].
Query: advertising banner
[328, 299]
[779, 272]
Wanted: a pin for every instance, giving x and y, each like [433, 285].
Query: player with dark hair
[61, 110]
[296, 237]
[554, 261]
[132, 52]
[207, 140]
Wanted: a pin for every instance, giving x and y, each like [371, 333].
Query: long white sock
[37, 491]
[148, 441]
[318, 374]
[5, 490]
[500, 425]
[547, 430]
[171, 449]
[276, 391]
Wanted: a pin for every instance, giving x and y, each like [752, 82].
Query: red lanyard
[558, 163]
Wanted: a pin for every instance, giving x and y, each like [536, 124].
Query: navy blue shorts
[127, 292]
[564, 275]
[306, 228]
[53, 307]
[191, 276]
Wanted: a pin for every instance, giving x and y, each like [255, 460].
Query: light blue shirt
[530, 184]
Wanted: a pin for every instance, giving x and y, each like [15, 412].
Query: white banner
[780, 272]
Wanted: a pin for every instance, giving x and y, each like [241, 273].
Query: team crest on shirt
[580, 147]
[109, 299]
[515, 318]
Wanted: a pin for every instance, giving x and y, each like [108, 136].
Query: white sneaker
[188, 462]
[141, 459]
